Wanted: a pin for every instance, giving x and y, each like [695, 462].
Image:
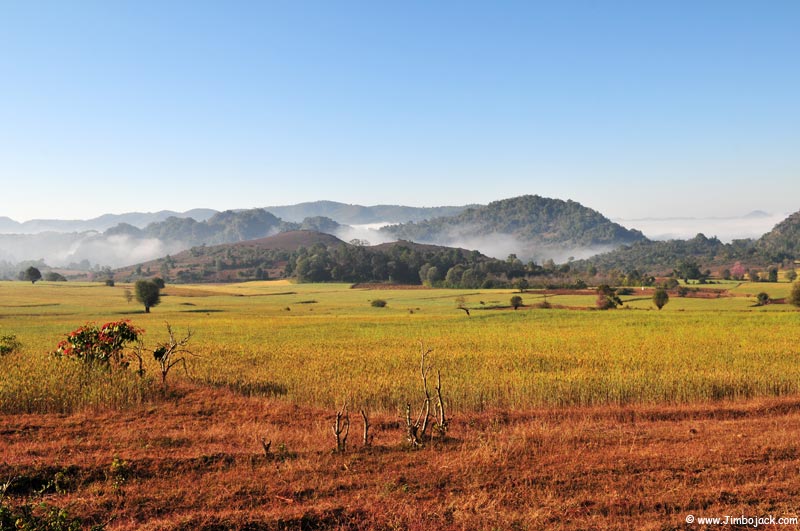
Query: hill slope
[531, 226]
[783, 241]
[315, 256]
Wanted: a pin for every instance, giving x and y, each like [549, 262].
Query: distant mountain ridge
[361, 215]
[531, 227]
[347, 214]
[99, 224]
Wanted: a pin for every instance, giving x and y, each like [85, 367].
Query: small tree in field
[660, 298]
[32, 274]
[148, 293]
[516, 301]
[762, 299]
[521, 284]
[794, 295]
[607, 298]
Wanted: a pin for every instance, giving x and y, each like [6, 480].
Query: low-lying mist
[60, 250]
[726, 229]
[366, 232]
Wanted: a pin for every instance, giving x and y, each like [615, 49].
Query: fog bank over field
[753, 225]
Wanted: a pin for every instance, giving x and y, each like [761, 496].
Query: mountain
[99, 224]
[783, 241]
[315, 256]
[360, 215]
[661, 257]
[530, 226]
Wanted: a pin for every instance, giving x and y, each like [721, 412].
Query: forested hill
[222, 227]
[781, 245]
[310, 256]
[783, 241]
[539, 226]
[661, 257]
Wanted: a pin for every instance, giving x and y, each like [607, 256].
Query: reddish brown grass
[193, 461]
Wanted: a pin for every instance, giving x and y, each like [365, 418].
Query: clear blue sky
[632, 108]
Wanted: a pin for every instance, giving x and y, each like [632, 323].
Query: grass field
[564, 417]
[321, 344]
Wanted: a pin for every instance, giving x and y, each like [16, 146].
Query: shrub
[762, 299]
[103, 345]
[607, 298]
[8, 344]
[378, 303]
[794, 296]
[660, 298]
[516, 301]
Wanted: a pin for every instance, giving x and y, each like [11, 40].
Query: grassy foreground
[561, 418]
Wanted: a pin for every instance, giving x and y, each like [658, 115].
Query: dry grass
[192, 461]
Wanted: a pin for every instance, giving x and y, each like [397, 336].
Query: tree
[148, 293]
[762, 299]
[521, 284]
[794, 296]
[660, 298]
[738, 271]
[516, 301]
[772, 273]
[791, 275]
[32, 274]
[688, 269]
[607, 298]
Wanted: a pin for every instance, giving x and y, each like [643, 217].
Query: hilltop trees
[147, 293]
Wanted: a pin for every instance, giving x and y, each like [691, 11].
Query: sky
[636, 109]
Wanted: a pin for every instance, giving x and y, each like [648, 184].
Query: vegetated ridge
[311, 256]
[540, 227]
[778, 247]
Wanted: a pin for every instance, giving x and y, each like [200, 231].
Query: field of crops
[321, 344]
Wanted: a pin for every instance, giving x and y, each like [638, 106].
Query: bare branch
[367, 437]
[442, 424]
[341, 428]
[266, 445]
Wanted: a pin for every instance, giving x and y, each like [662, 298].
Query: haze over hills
[342, 213]
[347, 214]
[99, 224]
[530, 227]
[315, 256]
